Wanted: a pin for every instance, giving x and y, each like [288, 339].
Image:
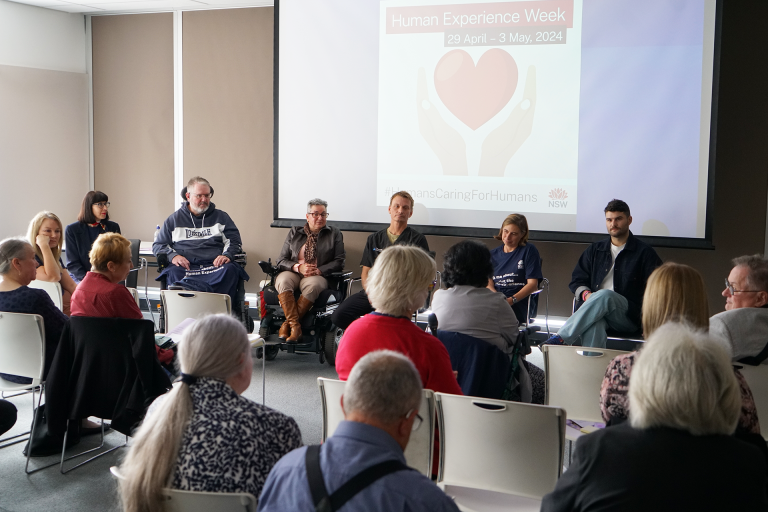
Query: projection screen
[550, 108]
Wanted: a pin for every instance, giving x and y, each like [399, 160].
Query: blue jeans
[605, 309]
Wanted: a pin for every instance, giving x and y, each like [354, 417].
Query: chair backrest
[192, 501]
[52, 289]
[573, 379]
[180, 305]
[483, 369]
[135, 294]
[420, 449]
[22, 348]
[757, 378]
[513, 448]
[133, 277]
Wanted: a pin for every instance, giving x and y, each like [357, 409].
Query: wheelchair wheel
[331, 345]
[271, 352]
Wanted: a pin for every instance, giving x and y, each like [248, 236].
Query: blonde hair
[675, 292]
[518, 220]
[399, 280]
[34, 230]
[108, 247]
[211, 347]
[683, 379]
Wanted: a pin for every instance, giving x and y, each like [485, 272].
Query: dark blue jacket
[80, 237]
[633, 266]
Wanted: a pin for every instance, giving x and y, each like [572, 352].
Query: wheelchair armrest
[341, 275]
[241, 259]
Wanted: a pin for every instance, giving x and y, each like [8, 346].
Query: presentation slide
[550, 108]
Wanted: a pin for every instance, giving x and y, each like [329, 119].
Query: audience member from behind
[608, 282]
[744, 323]
[397, 233]
[675, 293]
[397, 286]
[676, 453]
[45, 234]
[310, 253]
[380, 403]
[99, 294]
[92, 221]
[516, 266]
[18, 268]
[469, 307]
[202, 435]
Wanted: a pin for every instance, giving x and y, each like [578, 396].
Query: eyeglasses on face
[102, 205]
[732, 290]
[201, 196]
[317, 214]
[416, 422]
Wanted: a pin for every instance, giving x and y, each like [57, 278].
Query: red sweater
[380, 332]
[97, 296]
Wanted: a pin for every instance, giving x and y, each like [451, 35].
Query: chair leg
[64, 447]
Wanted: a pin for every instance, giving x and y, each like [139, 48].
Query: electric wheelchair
[240, 306]
[320, 336]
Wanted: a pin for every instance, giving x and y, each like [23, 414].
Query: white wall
[35, 37]
[44, 119]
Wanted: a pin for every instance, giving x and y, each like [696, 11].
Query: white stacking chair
[192, 501]
[757, 378]
[22, 353]
[181, 304]
[135, 294]
[499, 446]
[53, 289]
[420, 449]
[573, 379]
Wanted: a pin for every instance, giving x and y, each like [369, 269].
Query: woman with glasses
[92, 221]
[45, 236]
[310, 253]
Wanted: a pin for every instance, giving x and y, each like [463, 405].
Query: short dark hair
[467, 263]
[86, 209]
[617, 205]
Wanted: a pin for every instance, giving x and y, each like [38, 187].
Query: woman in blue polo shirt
[516, 266]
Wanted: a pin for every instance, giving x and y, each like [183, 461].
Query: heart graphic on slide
[476, 93]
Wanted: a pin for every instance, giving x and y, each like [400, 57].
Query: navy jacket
[633, 266]
[199, 238]
[80, 237]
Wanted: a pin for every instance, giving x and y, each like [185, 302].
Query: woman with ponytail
[202, 435]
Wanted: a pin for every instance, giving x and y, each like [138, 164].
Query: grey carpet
[291, 385]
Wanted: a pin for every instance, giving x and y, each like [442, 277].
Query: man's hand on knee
[180, 261]
[220, 260]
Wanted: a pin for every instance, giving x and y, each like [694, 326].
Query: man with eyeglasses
[398, 233]
[744, 323]
[200, 242]
[362, 463]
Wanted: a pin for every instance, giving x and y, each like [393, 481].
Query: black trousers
[7, 416]
[355, 306]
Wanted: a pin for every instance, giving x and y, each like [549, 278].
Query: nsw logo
[557, 198]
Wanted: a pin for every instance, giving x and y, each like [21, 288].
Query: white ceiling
[136, 6]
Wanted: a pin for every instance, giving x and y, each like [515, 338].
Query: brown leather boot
[291, 324]
[304, 305]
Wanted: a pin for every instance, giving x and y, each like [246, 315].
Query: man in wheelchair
[200, 243]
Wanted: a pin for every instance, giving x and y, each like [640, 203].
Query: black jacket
[621, 469]
[104, 367]
[80, 237]
[330, 249]
[632, 267]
